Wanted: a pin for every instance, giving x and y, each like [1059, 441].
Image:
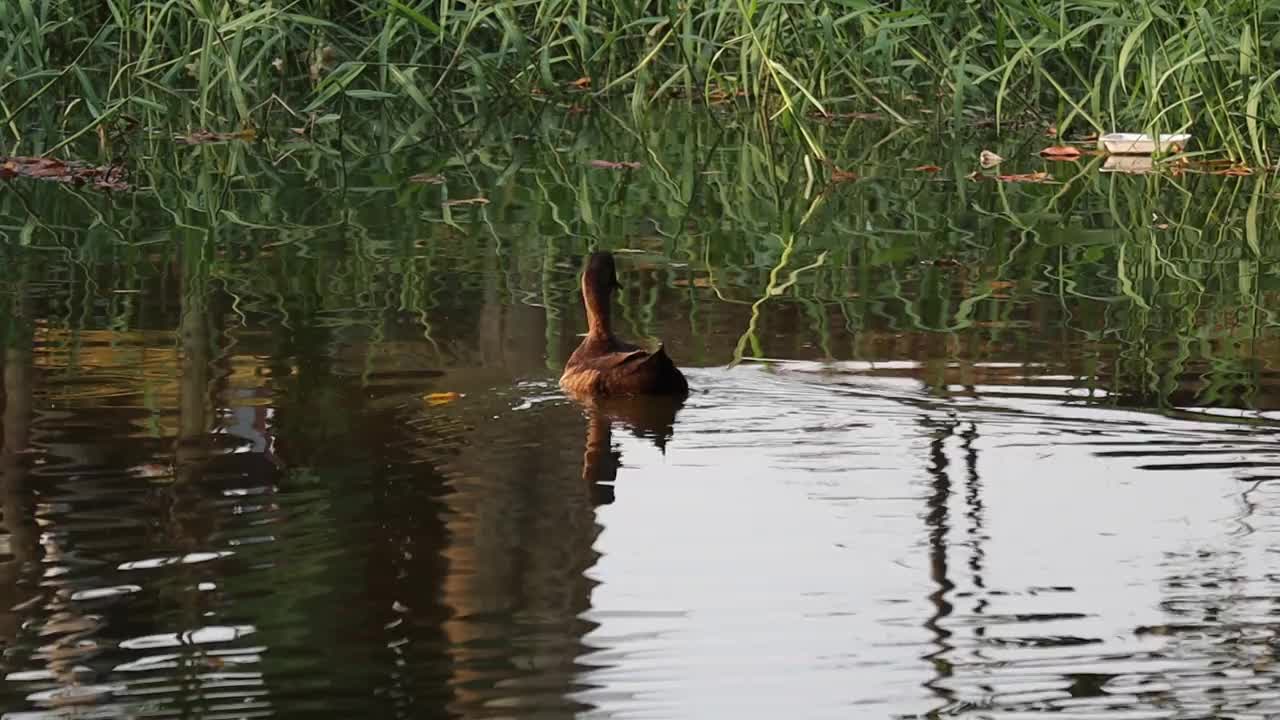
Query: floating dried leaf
[926, 169]
[718, 96]
[1234, 170]
[1060, 152]
[107, 177]
[611, 165]
[988, 159]
[466, 201]
[427, 179]
[842, 176]
[1035, 177]
[581, 83]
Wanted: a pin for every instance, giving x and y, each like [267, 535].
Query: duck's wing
[647, 372]
[589, 373]
[622, 360]
[623, 369]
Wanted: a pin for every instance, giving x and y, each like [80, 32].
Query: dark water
[281, 436]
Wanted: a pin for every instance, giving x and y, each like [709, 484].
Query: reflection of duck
[646, 416]
[604, 365]
[650, 417]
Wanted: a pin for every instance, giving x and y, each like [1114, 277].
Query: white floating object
[1129, 164]
[1141, 143]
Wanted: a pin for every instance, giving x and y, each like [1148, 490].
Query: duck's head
[600, 279]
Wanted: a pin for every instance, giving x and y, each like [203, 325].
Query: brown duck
[603, 364]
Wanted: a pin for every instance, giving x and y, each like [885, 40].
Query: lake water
[282, 435]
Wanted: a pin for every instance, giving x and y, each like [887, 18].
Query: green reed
[411, 69]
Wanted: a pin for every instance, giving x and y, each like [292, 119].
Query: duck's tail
[664, 372]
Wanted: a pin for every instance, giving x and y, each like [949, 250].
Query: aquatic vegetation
[1154, 288]
[409, 69]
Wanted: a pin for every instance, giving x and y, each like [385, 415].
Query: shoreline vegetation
[73, 70]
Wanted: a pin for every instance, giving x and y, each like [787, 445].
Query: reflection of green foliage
[1153, 287]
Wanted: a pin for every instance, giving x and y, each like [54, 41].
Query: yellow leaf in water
[441, 398]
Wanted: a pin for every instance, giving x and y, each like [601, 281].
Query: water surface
[281, 436]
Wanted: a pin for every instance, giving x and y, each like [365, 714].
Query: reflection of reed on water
[121, 609]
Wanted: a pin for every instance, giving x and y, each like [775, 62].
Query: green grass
[416, 68]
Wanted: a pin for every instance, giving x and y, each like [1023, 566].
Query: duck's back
[615, 368]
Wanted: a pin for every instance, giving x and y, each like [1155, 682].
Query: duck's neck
[599, 317]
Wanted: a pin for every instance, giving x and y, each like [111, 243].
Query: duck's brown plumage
[603, 364]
